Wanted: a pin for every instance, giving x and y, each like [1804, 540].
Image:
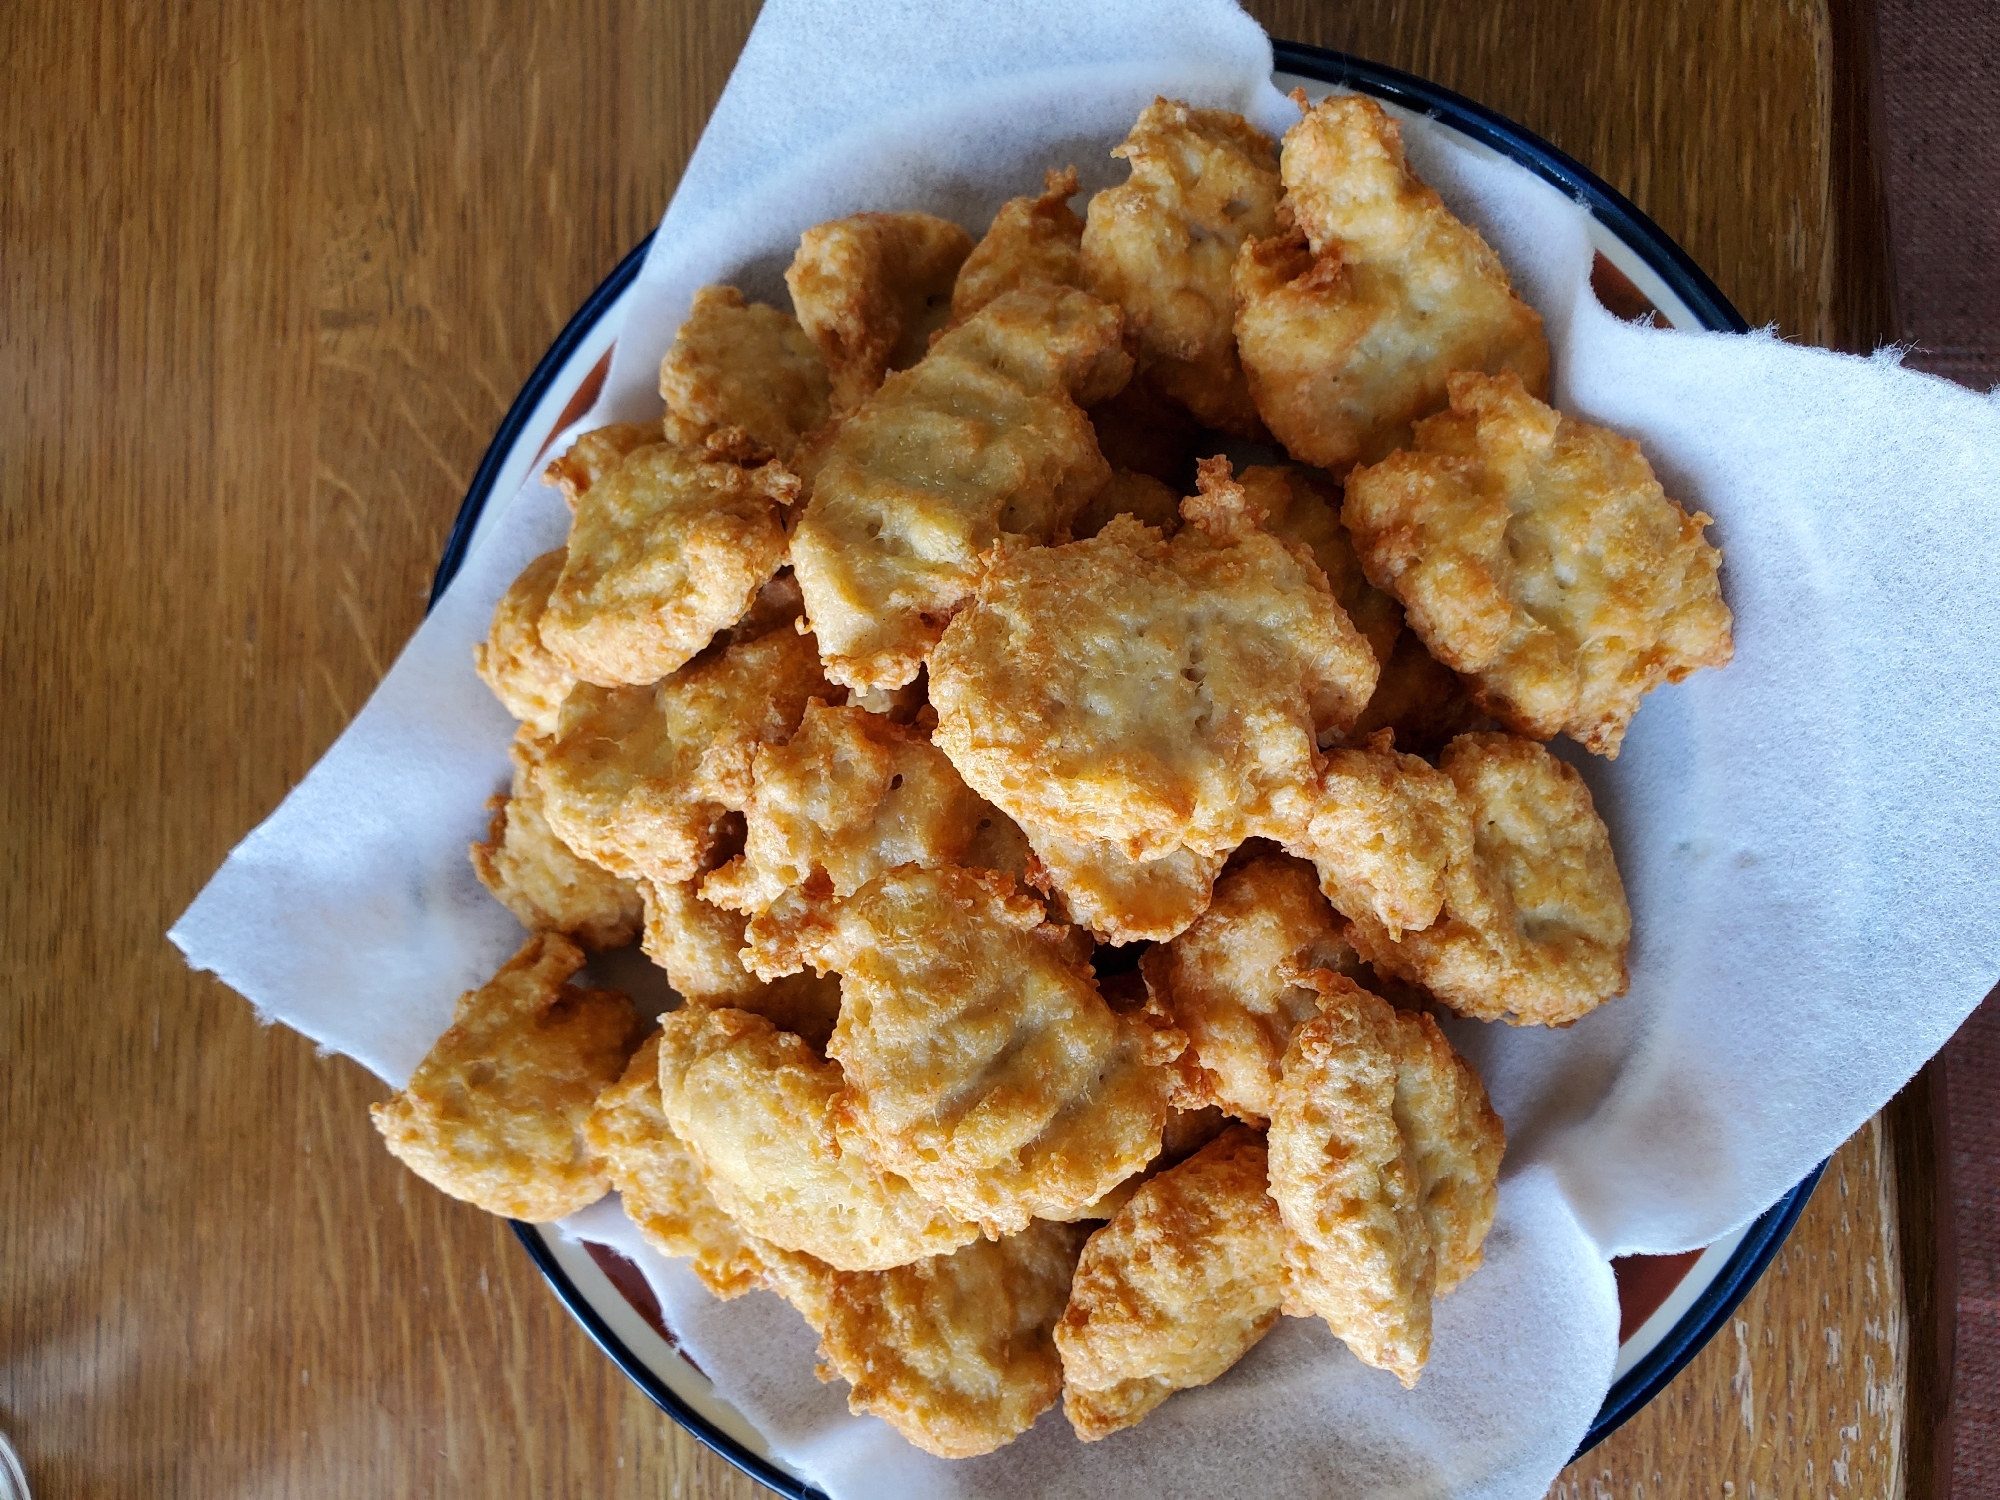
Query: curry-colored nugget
[1538, 555]
[664, 551]
[983, 440]
[1033, 241]
[1120, 899]
[1178, 1287]
[742, 379]
[870, 290]
[1349, 323]
[954, 1352]
[494, 1113]
[534, 875]
[527, 677]
[1535, 927]
[1161, 246]
[1384, 1160]
[595, 454]
[753, 1105]
[1305, 508]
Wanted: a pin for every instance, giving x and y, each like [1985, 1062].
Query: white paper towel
[1807, 838]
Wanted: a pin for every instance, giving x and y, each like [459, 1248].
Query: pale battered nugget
[1161, 246]
[1140, 496]
[1120, 899]
[664, 551]
[753, 1105]
[983, 440]
[1158, 695]
[980, 1060]
[1178, 1287]
[494, 1113]
[525, 675]
[1539, 555]
[870, 290]
[1419, 699]
[595, 454]
[1384, 1160]
[534, 875]
[639, 779]
[661, 1185]
[1349, 323]
[701, 948]
[1032, 242]
[1535, 926]
[954, 1352]
[1233, 980]
[1305, 508]
[742, 379]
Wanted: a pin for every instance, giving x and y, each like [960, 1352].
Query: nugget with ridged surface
[1033, 241]
[534, 875]
[742, 380]
[529, 679]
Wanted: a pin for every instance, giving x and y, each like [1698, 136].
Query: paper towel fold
[1807, 838]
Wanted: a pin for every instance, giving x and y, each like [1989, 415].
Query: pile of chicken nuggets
[1061, 839]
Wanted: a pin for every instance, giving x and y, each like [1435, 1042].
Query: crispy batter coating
[1539, 555]
[1120, 899]
[595, 454]
[494, 1113]
[1384, 1159]
[870, 290]
[1154, 694]
[1141, 496]
[1233, 981]
[1422, 701]
[1161, 245]
[742, 379]
[954, 1352]
[701, 946]
[525, 675]
[661, 1185]
[664, 551]
[1033, 241]
[1535, 926]
[1175, 1289]
[980, 441]
[1349, 322]
[534, 875]
[754, 1106]
[1303, 507]
[980, 1061]
[639, 779]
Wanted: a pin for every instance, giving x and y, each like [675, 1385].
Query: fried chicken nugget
[1232, 981]
[1161, 246]
[1120, 899]
[870, 290]
[1539, 555]
[534, 875]
[700, 946]
[1033, 241]
[664, 551]
[980, 1060]
[1152, 694]
[639, 779]
[742, 380]
[954, 1352]
[1140, 496]
[1175, 1289]
[1349, 322]
[525, 675]
[661, 1184]
[1534, 927]
[982, 440]
[1384, 1161]
[1304, 507]
[595, 454]
[754, 1107]
[494, 1113]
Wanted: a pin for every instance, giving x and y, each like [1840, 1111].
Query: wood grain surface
[269, 276]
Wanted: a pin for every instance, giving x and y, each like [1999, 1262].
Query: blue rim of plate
[1760, 1245]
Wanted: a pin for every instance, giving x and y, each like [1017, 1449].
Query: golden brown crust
[1539, 555]
[1120, 899]
[534, 875]
[527, 677]
[494, 1113]
[1033, 241]
[1304, 507]
[742, 380]
[595, 454]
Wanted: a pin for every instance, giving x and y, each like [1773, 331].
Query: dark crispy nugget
[494, 1113]
[1539, 555]
[1535, 926]
[639, 779]
[753, 1105]
[534, 875]
[954, 1352]
[1032, 242]
[981, 441]
[1303, 507]
[1161, 246]
[664, 551]
[1384, 1159]
[525, 675]
[1349, 322]
[1120, 899]
[595, 454]
[1420, 700]
[870, 290]
[1140, 496]
[742, 380]
[1157, 695]
[1180, 1285]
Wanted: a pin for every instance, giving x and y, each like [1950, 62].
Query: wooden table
[271, 276]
